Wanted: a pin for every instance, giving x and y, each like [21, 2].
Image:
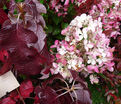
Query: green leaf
[108, 10]
[49, 29]
[64, 25]
[4, 7]
[56, 31]
[42, 1]
[56, 19]
[19, 0]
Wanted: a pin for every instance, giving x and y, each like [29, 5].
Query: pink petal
[66, 2]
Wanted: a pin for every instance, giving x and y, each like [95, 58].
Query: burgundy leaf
[119, 66]
[26, 60]
[4, 58]
[81, 93]
[14, 95]
[6, 67]
[65, 99]
[3, 16]
[117, 53]
[3, 55]
[47, 95]
[50, 81]
[119, 40]
[86, 6]
[74, 74]
[20, 40]
[15, 35]
[36, 100]
[44, 52]
[77, 102]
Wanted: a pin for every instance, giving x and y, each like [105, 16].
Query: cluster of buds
[85, 48]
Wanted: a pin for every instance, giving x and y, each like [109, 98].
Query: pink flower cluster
[110, 13]
[85, 48]
[61, 6]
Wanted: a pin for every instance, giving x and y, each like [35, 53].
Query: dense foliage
[62, 51]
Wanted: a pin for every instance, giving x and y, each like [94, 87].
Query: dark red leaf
[36, 100]
[82, 92]
[7, 100]
[65, 99]
[3, 16]
[119, 66]
[3, 55]
[119, 40]
[16, 41]
[14, 95]
[47, 95]
[6, 67]
[26, 88]
[86, 6]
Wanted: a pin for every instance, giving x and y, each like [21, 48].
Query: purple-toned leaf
[40, 7]
[41, 20]
[83, 95]
[12, 6]
[47, 95]
[13, 36]
[41, 38]
[65, 99]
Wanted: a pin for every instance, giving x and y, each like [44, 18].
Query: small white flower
[93, 79]
[89, 61]
[99, 61]
[84, 31]
[67, 38]
[62, 50]
[103, 54]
